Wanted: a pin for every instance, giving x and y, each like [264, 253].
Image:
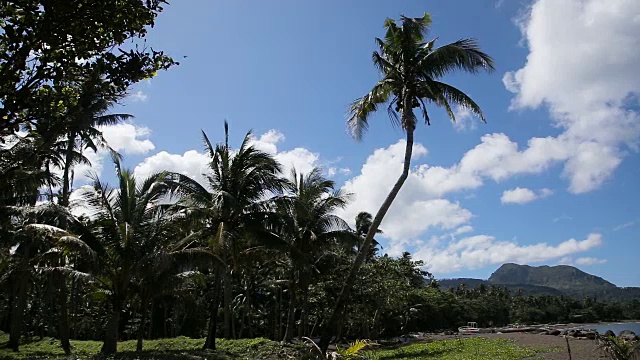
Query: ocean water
[615, 327]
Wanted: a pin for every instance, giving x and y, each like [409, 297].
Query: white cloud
[567, 260]
[299, 158]
[268, 142]
[586, 261]
[481, 250]
[81, 172]
[465, 119]
[463, 229]
[128, 138]
[333, 171]
[582, 64]
[192, 163]
[523, 195]
[518, 196]
[78, 206]
[623, 226]
[139, 96]
[545, 193]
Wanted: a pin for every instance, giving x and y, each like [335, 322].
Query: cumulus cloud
[128, 138]
[299, 158]
[586, 261]
[192, 163]
[582, 65]
[523, 195]
[480, 250]
[463, 229]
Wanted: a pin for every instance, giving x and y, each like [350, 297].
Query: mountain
[550, 280]
[561, 277]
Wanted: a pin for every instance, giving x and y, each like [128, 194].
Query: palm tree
[130, 228]
[37, 244]
[363, 224]
[235, 202]
[310, 228]
[82, 124]
[411, 69]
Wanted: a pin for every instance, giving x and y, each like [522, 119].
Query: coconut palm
[82, 123]
[363, 224]
[411, 69]
[132, 244]
[40, 248]
[309, 229]
[234, 202]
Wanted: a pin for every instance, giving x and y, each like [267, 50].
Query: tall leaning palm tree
[411, 70]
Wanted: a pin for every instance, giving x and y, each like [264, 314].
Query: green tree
[45, 50]
[82, 127]
[411, 69]
[39, 247]
[130, 231]
[310, 230]
[234, 204]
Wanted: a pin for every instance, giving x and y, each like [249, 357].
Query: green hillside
[549, 280]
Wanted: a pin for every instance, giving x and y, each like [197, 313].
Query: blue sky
[551, 178]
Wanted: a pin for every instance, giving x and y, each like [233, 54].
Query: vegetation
[473, 348]
[176, 348]
[45, 53]
[618, 349]
[253, 256]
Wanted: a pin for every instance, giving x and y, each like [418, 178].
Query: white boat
[471, 328]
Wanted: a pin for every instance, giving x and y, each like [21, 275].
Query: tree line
[251, 252]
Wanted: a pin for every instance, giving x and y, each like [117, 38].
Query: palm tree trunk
[152, 307]
[63, 326]
[210, 342]
[227, 304]
[304, 311]
[362, 254]
[17, 313]
[291, 315]
[66, 178]
[249, 316]
[143, 320]
[110, 345]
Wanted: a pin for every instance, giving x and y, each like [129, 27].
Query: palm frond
[464, 54]
[361, 108]
[450, 94]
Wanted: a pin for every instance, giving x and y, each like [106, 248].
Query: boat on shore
[471, 328]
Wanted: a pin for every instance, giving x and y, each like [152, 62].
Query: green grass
[466, 349]
[181, 348]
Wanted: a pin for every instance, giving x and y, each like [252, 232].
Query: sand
[580, 349]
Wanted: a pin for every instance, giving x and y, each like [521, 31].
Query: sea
[615, 327]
